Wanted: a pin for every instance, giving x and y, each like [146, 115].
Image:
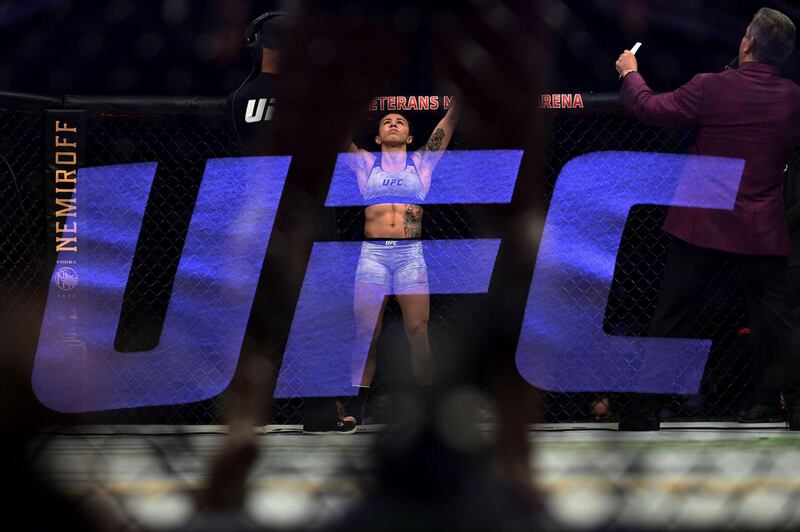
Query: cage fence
[182, 136]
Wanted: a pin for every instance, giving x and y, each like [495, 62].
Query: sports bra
[394, 187]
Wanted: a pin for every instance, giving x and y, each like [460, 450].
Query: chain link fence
[181, 135]
[22, 199]
[641, 259]
[180, 139]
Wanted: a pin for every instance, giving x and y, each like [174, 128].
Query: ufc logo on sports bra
[393, 182]
[77, 369]
[255, 111]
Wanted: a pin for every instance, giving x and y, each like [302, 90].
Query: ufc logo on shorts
[77, 369]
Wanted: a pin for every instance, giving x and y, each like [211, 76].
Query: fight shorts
[396, 264]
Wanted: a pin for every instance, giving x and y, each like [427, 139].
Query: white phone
[633, 51]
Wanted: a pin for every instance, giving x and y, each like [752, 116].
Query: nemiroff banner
[65, 140]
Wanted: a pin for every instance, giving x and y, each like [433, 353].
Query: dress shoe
[762, 414]
[640, 423]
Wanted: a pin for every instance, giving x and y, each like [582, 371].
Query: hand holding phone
[627, 63]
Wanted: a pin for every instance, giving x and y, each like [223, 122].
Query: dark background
[195, 47]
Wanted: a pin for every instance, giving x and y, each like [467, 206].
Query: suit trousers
[772, 307]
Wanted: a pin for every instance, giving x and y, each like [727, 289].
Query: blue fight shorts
[397, 264]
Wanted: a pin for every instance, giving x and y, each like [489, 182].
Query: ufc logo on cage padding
[562, 346]
[324, 354]
[77, 369]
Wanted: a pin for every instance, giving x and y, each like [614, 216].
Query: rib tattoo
[412, 221]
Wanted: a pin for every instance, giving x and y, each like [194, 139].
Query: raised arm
[678, 108]
[428, 156]
[359, 161]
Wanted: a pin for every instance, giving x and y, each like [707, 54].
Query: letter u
[249, 115]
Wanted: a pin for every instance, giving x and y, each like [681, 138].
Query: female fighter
[392, 261]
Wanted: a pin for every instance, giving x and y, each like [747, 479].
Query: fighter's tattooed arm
[412, 221]
[435, 142]
[428, 156]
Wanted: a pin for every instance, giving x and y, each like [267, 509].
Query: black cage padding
[17, 101]
[145, 104]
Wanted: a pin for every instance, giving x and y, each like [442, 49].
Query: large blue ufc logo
[78, 370]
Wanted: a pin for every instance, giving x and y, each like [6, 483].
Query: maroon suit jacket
[750, 113]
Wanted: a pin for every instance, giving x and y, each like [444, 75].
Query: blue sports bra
[394, 187]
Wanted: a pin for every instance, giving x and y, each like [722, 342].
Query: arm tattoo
[435, 142]
[412, 221]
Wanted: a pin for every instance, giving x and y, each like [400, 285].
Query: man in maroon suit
[751, 113]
